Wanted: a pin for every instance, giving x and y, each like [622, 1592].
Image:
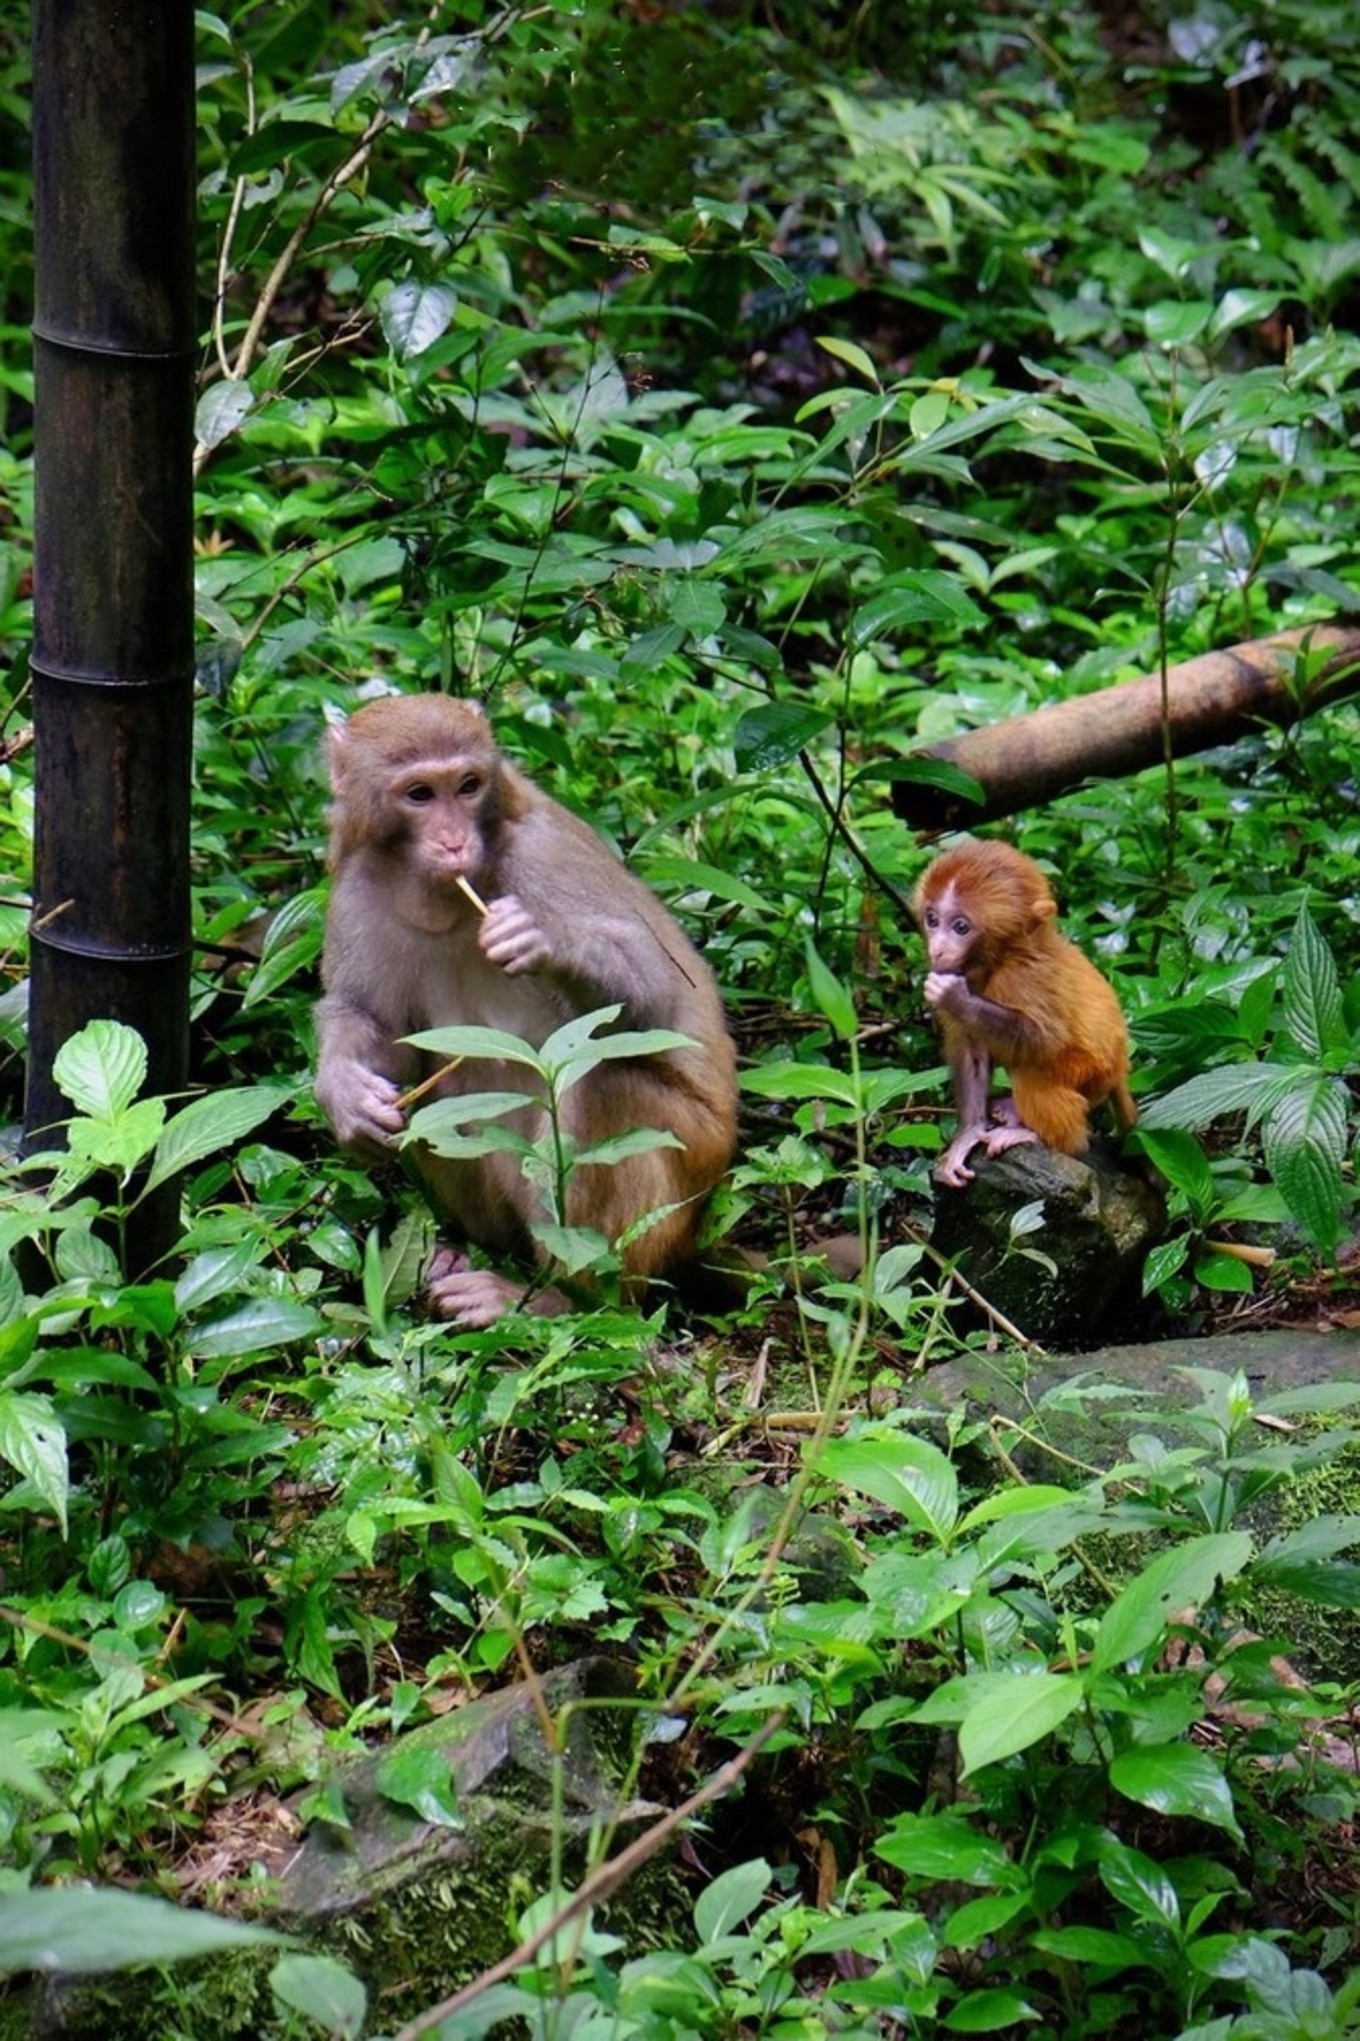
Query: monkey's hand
[949, 992]
[361, 1107]
[511, 937]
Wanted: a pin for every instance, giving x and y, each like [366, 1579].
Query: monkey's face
[950, 932]
[439, 811]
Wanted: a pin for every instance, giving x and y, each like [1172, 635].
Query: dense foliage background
[734, 399]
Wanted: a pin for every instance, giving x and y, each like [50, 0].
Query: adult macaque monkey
[1007, 988]
[425, 807]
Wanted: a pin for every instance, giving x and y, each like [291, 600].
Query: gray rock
[1067, 1283]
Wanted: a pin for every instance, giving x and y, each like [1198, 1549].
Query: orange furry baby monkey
[1007, 988]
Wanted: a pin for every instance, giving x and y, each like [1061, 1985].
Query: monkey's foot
[1005, 1112]
[468, 1297]
[952, 1167]
[1009, 1136]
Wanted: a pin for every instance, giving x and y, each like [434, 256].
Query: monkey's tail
[1122, 1105]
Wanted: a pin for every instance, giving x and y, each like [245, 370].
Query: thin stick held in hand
[470, 892]
[418, 1091]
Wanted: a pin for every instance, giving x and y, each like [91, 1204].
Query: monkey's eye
[961, 927]
[419, 793]
[932, 918]
[472, 784]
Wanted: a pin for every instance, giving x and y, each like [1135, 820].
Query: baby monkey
[1007, 988]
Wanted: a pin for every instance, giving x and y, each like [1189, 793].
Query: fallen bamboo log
[1030, 759]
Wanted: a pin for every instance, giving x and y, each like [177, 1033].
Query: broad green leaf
[324, 1992]
[1182, 1161]
[414, 315]
[1223, 1273]
[768, 737]
[1172, 323]
[122, 1142]
[919, 769]
[33, 1442]
[1183, 1578]
[979, 1919]
[987, 2011]
[84, 1931]
[1304, 1139]
[491, 1043]
[207, 1124]
[730, 1898]
[102, 1068]
[1312, 992]
[801, 1080]
[905, 1474]
[222, 408]
[1092, 1945]
[945, 1847]
[421, 1778]
[1241, 308]
[1016, 1502]
[254, 1328]
[697, 607]
[1012, 1717]
[1138, 1883]
[1241, 1087]
[1163, 1263]
[1176, 1778]
[925, 596]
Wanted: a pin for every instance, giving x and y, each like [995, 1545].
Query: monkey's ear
[337, 754]
[1042, 909]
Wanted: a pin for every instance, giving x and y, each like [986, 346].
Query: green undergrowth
[736, 401]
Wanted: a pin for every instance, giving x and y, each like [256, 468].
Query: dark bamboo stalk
[114, 334]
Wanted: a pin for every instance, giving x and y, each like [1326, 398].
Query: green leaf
[923, 596]
[1172, 323]
[120, 1143]
[33, 1442]
[1182, 1161]
[207, 1124]
[852, 355]
[102, 1068]
[1241, 1087]
[907, 1475]
[1011, 1717]
[801, 1080]
[85, 1931]
[1092, 1945]
[1304, 1138]
[1183, 1578]
[768, 737]
[1312, 994]
[987, 2012]
[829, 995]
[919, 769]
[491, 1043]
[421, 1778]
[414, 315]
[1178, 1779]
[1163, 1263]
[254, 1328]
[945, 1848]
[1138, 1883]
[731, 1898]
[222, 409]
[1241, 308]
[324, 1992]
